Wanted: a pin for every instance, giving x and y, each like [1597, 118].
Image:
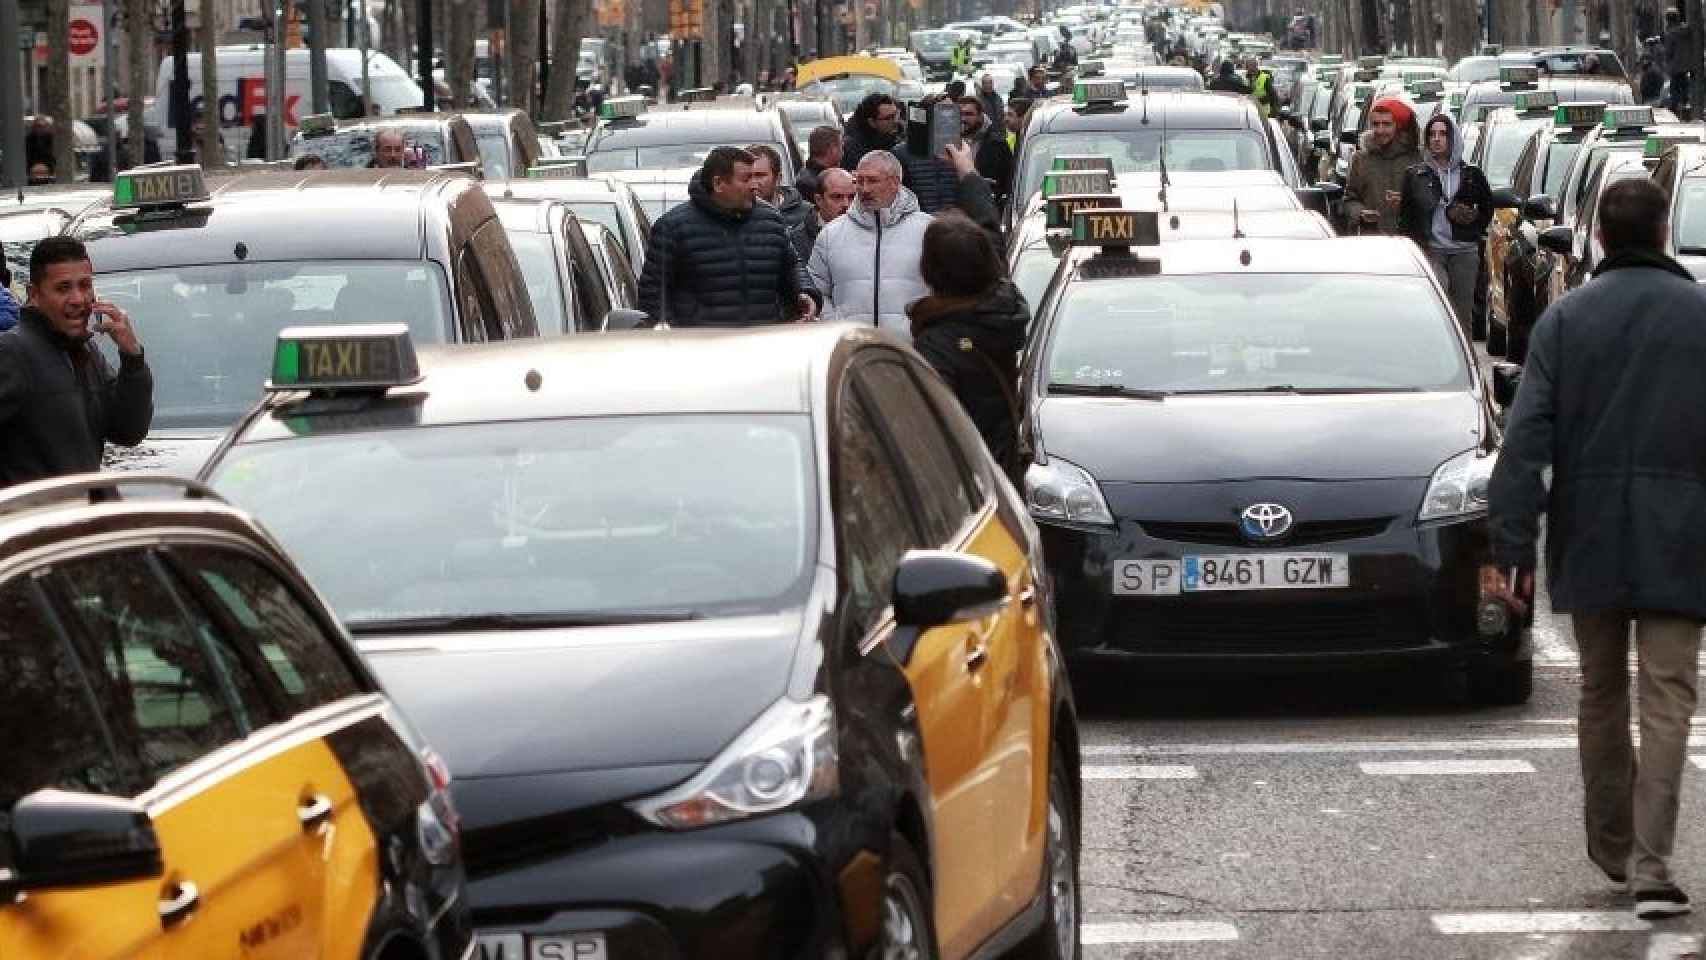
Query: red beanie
[1401, 112]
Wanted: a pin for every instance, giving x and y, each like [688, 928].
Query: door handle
[314, 810]
[1028, 596]
[977, 656]
[176, 909]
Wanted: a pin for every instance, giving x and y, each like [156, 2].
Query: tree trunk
[139, 36]
[212, 157]
[521, 48]
[459, 52]
[566, 30]
[56, 89]
[1623, 40]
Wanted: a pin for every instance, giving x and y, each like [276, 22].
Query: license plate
[567, 946]
[1242, 571]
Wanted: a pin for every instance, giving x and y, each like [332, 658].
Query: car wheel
[1501, 684]
[1058, 938]
[908, 914]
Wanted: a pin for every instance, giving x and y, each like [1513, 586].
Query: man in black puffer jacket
[722, 259]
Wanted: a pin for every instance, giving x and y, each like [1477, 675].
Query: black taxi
[1233, 466]
[212, 269]
[198, 763]
[1679, 169]
[632, 135]
[761, 665]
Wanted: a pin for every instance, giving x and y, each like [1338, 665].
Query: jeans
[1631, 800]
[1457, 272]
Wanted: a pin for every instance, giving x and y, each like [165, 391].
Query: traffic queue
[539, 543]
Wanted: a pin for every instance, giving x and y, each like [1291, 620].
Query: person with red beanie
[1389, 147]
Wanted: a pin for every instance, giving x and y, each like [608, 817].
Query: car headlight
[785, 758]
[1459, 486]
[1061, 490]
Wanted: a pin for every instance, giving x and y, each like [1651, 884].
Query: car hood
[181, 452]
[1194, 439]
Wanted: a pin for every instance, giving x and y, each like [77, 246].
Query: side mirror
[1313, 198]
[1349, 138]
[937, 587]
[1504, 198]
[1317, 124]
[621, 318]
[1540, 207]
[1506, 378]
[65, 839]
[1558, 239]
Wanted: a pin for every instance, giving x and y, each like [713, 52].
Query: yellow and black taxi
[805, 704]
[200, 764]
[1234, 467]
[429, 140]
[213, 268]
[565, 279]
[631, 135]
[593, 200]
[506, 140]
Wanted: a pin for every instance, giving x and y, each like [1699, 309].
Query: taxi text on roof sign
[355, 357]
[1366, 75]
[1116, 228]
[318, 125]
[1536, 100]
[1373, 61]
[1657, 144]
[1513, 75]
[1060, 208]
[1626, 117]
[1579, 114]
[1057, 182]
[1083, 162]
[620, 108]
[558, 168]
[1433, 87]
[1098, 91]
[158, 187]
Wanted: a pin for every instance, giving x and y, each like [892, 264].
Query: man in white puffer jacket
[866, 263]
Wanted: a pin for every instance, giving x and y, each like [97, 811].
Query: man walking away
[875, 125]
[867, 263]
[1613, 402]
[1445, 207]
[834, 196]
[767, 186]
[990, 153]
[1227, 81]
[1387, 151]
[1678, 46]
[823, 147]
[722, 259]
[60, 404]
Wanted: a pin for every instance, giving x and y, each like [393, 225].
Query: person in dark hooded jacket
[1227, 81]
[971, 328]
[875, 125]
[1445, 206]
[723, 259]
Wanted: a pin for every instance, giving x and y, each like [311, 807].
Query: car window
[504, 285]
[942, 500]
[626, 285]
[41, 691]
[273, 620]
[474, 295]
[876, 527]
[969, 448]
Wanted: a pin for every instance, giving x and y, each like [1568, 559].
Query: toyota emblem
[1265, 521]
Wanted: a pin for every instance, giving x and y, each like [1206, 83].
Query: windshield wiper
[519, 621]
[1107, 390]
[1296, 391]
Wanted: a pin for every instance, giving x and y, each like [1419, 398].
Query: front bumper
[1414, 595]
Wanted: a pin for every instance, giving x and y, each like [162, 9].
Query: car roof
[1176, 109]
[707, 125]
[1370, 256]
[572, 189]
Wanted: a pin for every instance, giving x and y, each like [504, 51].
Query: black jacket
[1613, 401]
[60, 403]
[860, 141]
[971, 194]
[804, 235]
[809, 180]
[1421, 193]
[995, 160]
[974, 345]
[709, 267]
[792, 206]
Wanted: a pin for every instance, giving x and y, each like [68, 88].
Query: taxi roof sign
[1362, 92]
[318, 125]
[1366, 75]
[1536, 100]
[1084, 161]
[695, 95]
[1059, 182]
[558, 168]
[1432, 87]
[1060, 208]
[1658, 143]
[1519, 74]
[1627, 117]
[1579, 114]
[1373, 61]
[623, 108]
[1116, 229]
[142, 187]
[1331, 59]
[1098, 91]
[1456, 98]
[370, 356]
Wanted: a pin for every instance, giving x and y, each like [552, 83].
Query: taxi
[212, 269]
[1509, 135]
[631, 136]
[1680, 171]
[565, 280]
[1287, 486]
[28, 217]
[506, 140]
[621, 280]
[1576, 246]
[593, 200]
[807, 704]
[1628, 131]
[245, 787]
[1483, 97]
[430, 140]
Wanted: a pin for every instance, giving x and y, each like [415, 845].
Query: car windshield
[354, 148]
[657, 199]
[535, 518]
[674, 156]
[494, 154]
[537, 258]
[1504, 148]
[1690, 217]
[1139, 151]
[803, 115]
[1218, 332]
[1474, 69]
[210, 330]
[1585, 63]
[846, 92]
[930, 41]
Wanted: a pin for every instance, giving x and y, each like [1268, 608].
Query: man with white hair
[866, 263]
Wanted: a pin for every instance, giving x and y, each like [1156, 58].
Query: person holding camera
[60, 404]
[1445, 206]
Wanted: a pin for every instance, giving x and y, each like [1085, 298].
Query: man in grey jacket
[60, 403]
[1613, 402]
[866, 263]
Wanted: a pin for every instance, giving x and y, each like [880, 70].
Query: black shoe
[1661, 902]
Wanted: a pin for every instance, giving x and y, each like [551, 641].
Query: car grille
[1196, 626]
[1306, 533]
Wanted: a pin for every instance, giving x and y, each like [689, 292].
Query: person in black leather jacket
[1445, 206]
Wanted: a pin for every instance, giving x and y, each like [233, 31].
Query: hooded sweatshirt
[1450, 173]
[974, 344]
[1432, 186]
[867, 264]
[1376, 169]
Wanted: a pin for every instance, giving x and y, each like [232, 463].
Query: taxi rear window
[1218, 332]
[1504, 149]
[210, 330]
[1558, 157]
[587, 517]
[1139, 151]
[352, 149]
[603, 213]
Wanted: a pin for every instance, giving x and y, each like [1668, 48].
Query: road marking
[1340, 747]
[1138, 772]
[1699, 762]
[1436, 768]
[1584, 921]
[1673, 946]
[1172, 931]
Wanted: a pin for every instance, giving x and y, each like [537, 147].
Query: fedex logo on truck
[250, 101]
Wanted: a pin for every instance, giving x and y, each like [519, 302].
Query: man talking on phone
[60, 402]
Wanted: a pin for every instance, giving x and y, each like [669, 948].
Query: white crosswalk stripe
[1450, 768]
[1161, 931]
[1138, 772]
[1540, 921]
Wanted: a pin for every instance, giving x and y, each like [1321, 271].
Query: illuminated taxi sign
[1657, 144]
[1581, 114]
[1371, 62]
[1628, 117]
[1060, 209]
[1428, 89]
[1537, 100]
[318, 125]
[1519, 75]
[1116, 228]
[1098, 91]
[1083, 162]
[623, 108]
[1059, 182]
[1417, 76]
[1362, 92]
[1456, 98]
[158, 187]
[356, 357]
[1326, 75]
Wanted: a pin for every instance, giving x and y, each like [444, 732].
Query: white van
[242, 93]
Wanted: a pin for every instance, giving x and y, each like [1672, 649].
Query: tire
[1058, 938]
[908, 921]
[1503, 684]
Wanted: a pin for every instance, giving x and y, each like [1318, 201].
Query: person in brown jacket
[1390, 146]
